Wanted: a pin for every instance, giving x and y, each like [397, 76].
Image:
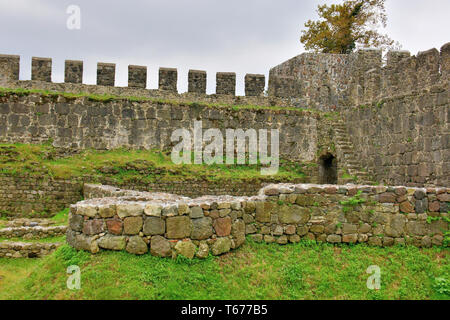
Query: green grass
[109, 97]
[3, 221]
[127, 165]
[255, 271]
[61, 218]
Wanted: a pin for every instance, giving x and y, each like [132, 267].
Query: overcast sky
[242, 36]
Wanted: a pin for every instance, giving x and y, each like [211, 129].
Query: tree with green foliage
[344, 27]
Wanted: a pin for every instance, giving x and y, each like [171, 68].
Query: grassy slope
[126, 165]
[176, 102]
[255, 271]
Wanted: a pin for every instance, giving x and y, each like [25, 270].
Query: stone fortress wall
[166, 225]
[404, 139]
[396, 115]
[41, 75]
[81, 123]
[310, 80]
[392, 121]
[329, 81]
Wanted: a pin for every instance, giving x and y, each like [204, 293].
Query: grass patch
[255, 271]
[61, 218]
[127, 165]
[3, 221]
[109, 97]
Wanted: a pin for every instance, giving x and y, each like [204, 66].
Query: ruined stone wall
[196, 188]
[41, 75]
[327, 81]
[404, 140]
[26, 249]
[33, 232]
[80, 123]
[167, 225]
[23, 195]
[313, 80]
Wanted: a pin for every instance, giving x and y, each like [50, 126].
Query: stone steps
[10, 249]
[33, 232]
[25, 222]
[345, 145]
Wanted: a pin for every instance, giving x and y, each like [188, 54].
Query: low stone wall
[33, 232]
[26, 249]
[190, 188]
[22, 195]
[168, 225]
[26, 222]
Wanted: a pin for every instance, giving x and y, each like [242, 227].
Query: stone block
[94, 226]
[197, 81]
[111, 242]
[137, 76]
[73, 71]
[238, 232]
[226, 83]
[255, 84]
[9, 68]
[154, 226]
[201, 228]
[115, 226]
[136, 245]
[160, 246]
[76, 222]
[132, 225]
[186, 249]
[293, 215]
[106, 73]
[220, 246]
[129, 209]
[41, 69]
[178, 227]
[168, 78]
[222, 226]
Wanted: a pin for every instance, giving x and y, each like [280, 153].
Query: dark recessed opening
[328, 169]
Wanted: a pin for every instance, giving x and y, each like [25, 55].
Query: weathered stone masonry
[167, 225]
[398, 127]
[26, 249]
[405, 139]
[402, 140]
[33, 232]
[397, 116]
[137, 80]
[26, 195]
[328, 81]
[81, 123]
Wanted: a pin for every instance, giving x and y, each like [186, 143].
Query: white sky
[242, 36]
